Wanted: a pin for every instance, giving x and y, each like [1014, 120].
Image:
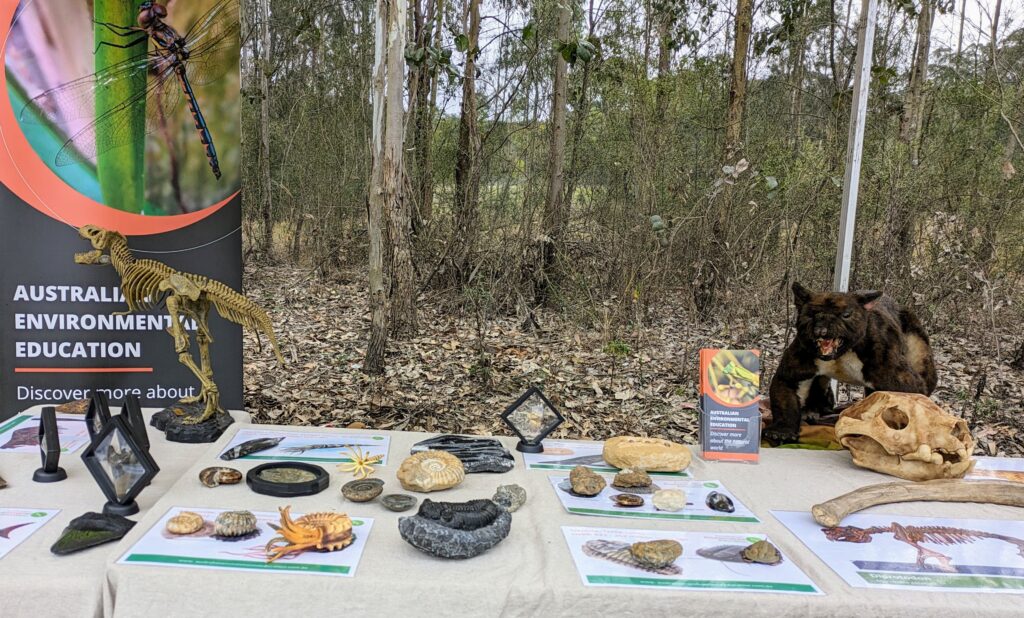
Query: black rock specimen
[90, 530]
[719, 502]
[176, 430]
[476, 454]
[456, 529]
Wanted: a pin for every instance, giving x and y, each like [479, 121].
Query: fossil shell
[628, 479]
[649, 454]
[656, 554]
[456, 529]
[628, 500]
[234, 525]
[670, 500]
[719, 502]
[398, 502]
[510, 496]
[619, 553]
[586, 482]
[185, 522]
[762, 552]
[362, 490]
[217, 475]
[431, 471]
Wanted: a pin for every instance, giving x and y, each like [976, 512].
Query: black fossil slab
[90, 530]
[456, 529]
[476, 454]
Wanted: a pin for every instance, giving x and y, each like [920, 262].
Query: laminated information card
[730, 391]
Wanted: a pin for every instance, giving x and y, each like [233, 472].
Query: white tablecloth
[34, 582]
[531, 572]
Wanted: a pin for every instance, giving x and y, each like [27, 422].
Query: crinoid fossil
[456, 529]
[619, 553]
[431, 471]
[360, 464]
[324, 531]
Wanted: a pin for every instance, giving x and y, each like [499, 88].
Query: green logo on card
[711, 485]
[357, 522]
[378, 437]
[37, 514]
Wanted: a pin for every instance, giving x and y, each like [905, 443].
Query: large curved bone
[831, 513]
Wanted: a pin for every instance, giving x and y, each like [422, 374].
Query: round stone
[586, 482]
[628, 500]
[398, 502]
[670, 500]
[362, 490]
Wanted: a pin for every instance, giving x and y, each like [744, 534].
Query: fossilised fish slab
[251, 446]
[476, 454]
[456, 529]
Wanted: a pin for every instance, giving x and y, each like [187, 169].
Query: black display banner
[106, 120]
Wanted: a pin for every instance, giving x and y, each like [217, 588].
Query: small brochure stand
[730, 419]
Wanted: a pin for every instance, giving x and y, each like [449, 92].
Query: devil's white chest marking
[847, 368]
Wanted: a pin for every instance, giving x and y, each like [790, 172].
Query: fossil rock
[398, 502]
[251, 446]
[648, 454]
[235, 525]
[656, 554]
[586, 482]
[362, 490]
[719, 502]
[723, 553]
[90, 530]
[456, 529]
[431, 471]
[619, 553]
[510, 496]
[185, 522]
[476, 454]
[3, 483]
[670, 500]
[217, 475]
[762, 552]
[628, 479]
[628, 500]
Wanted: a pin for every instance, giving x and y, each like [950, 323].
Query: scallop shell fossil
[619, 553]
[431, 471]
[185, 522]
[218, 475]
[235, 525]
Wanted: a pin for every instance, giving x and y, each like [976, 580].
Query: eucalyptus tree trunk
[263, 65]
[422, 91]
[385, 190]
[555, 217]
[738, 80]
[467, 161]
[913, 104]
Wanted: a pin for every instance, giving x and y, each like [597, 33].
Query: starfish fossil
[360, 464]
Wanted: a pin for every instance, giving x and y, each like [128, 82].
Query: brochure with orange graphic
[730, 389]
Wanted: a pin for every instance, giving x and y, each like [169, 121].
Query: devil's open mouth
[828, 347]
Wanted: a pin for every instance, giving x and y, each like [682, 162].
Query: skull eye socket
[894, 418]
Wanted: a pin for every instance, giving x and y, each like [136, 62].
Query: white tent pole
[855, 144]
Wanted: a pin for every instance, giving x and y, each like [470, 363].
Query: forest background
[449, 200]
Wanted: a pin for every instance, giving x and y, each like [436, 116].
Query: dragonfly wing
[209, 41]
[222, 20]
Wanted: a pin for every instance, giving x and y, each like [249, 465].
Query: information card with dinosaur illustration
[17, 524]
[730, 420]
[918, 553]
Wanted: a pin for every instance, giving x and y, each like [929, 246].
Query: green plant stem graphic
[121, 171]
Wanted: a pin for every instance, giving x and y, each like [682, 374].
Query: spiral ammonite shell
[185, 522]
[431, 471]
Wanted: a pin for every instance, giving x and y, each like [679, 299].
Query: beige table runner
[531, 573]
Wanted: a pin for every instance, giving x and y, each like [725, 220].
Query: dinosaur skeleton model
[146, 284]
[916, 535]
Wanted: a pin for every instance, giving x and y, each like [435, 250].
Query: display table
[34, 582]
[531, 572]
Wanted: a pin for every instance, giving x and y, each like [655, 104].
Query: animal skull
[906, 435]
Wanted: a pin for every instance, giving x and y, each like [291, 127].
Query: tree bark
[738, 80]
[555, 217]
[467, 162]
[263, 64]
[913, 104]
[422, 90]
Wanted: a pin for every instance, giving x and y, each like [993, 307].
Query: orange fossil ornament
[323, 531]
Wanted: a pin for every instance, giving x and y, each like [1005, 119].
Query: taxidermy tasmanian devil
[862, 338]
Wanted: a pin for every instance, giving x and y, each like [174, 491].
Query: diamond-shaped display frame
[127, 504]
[525, 444]
[99, 408]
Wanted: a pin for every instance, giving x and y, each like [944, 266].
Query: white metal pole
[855, 145]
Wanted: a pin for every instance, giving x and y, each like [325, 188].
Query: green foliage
[617, 349]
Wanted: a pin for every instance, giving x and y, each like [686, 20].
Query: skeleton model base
[174, 422]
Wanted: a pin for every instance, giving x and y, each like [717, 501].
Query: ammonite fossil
[217, 475]
[456, 529]
[185, 522]
[431, 471]
[235, 526]
[398, 502]
[362, 490]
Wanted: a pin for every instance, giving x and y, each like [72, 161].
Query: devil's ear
[800, 294]
[866, 297]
